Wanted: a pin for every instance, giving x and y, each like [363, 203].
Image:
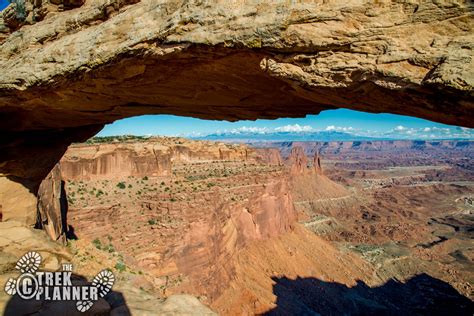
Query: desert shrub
[110, 248]
[97, 243]
[20, 9]
[120, 266]
[145, 178]
[121, 185]
[151, 222]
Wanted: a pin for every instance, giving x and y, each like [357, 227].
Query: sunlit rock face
[115, 161]
[269, 155]
[191, 220]
[81, 65]
[298, 161]
[52, 205]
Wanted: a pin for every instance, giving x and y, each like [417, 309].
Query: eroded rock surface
[224, 229]
[52, 205]
[125, 299]
[408, 58]
[66, 75]
[198, 228]
[116, 161]
[183, 227]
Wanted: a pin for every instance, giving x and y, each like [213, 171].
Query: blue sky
[3, 4]
[352, 122]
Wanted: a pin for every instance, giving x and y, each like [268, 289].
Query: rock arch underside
[77, 66]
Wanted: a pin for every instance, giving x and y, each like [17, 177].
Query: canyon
[248, 230]
[69, 67]
[396, 215]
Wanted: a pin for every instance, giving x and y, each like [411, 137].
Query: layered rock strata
[66, 73]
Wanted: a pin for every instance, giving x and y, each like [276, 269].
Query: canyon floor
[193, 226]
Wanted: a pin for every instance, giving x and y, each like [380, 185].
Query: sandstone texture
[183, 227]
[111, 161]
[16, 240]
[269, 156]
[52, 205]
[396, 227]
[100, 61]
[68, 67]
[298, 161]
[185, 231]
[153, 157]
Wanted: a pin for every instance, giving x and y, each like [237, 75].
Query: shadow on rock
[420, 295]
[112, 304]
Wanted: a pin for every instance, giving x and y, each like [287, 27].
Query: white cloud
[194, 134]
[294, 128]
[442, 129]
[339, 128]
[400, 131]
[245, 129]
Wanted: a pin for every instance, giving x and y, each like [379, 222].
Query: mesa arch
[64, 77]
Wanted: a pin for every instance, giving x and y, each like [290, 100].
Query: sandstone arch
[66, 76]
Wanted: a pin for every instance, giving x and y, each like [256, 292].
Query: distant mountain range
[277, 136]
[283, 136]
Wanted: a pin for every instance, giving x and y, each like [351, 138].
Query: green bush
[20, 9]
[110, 248]
[97, 243]
[151, 222]
[121, 185]
[120, 266]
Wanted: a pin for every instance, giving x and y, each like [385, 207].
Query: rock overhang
[238, 61]
[66, 76]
